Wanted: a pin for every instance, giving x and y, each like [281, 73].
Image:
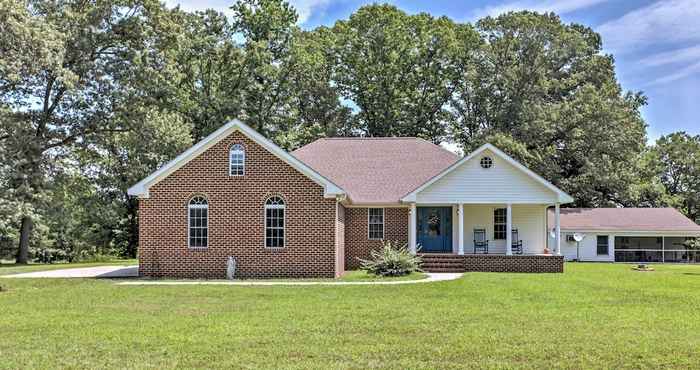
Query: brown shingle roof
[624, 219]
[376, 170]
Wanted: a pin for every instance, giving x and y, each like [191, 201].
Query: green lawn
[593, 316]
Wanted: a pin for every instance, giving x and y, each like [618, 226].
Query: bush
[391, 261]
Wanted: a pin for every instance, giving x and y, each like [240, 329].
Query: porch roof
[662, 220]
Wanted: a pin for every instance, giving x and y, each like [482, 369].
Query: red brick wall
[236, 219]
[357, 242]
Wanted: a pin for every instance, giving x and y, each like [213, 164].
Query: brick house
[315, 211]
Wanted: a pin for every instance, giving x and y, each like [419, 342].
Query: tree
[546, 94]
[675, 161]
[400, 70]
[63, 67]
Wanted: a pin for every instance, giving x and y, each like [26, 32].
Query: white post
[557, 229]
[461, 229]
[412, 232]
[509, 230]
[663, 249]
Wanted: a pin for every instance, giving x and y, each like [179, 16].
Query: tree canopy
[86, 88]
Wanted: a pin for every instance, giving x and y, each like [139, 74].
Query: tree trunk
[132, 207]
[25, 232]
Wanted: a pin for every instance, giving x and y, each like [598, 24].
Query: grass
[592, 316]
[13, 268]
[360, 275]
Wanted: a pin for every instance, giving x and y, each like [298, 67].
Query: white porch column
[460, 219]
[509, 230]
[412, 215]
[663, 249]
[557, 229]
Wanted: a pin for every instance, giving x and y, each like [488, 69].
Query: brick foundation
[435, 262]
[503, 263]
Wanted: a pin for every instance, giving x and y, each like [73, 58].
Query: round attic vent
[486, 162]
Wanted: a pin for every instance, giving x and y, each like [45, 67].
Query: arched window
[236, 160]
[198, 222]
[274, 222]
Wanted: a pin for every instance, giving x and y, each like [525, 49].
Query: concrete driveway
[83, 272]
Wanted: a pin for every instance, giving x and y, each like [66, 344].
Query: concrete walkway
[83, 272]
[432, 277]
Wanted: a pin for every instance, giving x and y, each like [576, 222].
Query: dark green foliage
[87, 88]
[391, 260]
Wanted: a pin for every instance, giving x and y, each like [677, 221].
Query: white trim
[230, 150]
[189, 224]
[509, 229]
[561, 195]
[412, 232]
[633, 233]
[460, 227]
[383, 223]
[375, 205]
[283, 207]
[142, 187]
[557, 228]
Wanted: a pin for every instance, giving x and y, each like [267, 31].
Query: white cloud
[557, 6]
[688, 54]
[305, 8]
[194, 5]
[680, 74]
[665, 21]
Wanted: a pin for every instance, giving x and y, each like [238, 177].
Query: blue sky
[656, 43]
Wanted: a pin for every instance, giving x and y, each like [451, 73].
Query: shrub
[391, 261]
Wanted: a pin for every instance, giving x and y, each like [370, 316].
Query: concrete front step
[443, 263]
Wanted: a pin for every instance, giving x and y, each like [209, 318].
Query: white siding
[501, 183]
[587, 248]
[528, 219]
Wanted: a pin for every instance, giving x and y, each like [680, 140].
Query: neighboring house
[627, 235]
[316, 211]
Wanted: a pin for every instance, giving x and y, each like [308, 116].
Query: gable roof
[625, 220]
[561, 195]
[376, 170]
[331, 190]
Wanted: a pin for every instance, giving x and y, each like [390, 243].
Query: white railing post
[557, 229]
[460, 219]
[509, 230]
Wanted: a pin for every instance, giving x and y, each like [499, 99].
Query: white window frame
[369, 222]
[283, 207]
[607, 245]
[504, 223]
[238, 148]
[191, 206]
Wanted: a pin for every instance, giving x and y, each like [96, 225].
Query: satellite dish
[578, 237]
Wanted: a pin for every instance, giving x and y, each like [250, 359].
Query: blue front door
[435, 229]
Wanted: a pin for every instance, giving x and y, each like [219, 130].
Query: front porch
[479, 229]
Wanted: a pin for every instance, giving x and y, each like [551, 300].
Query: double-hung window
[198, 222]
[237, 160]
[602, 245]
[375, 223]
[274, 222]
[499, 224]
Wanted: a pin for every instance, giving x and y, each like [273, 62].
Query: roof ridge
[370, 138]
